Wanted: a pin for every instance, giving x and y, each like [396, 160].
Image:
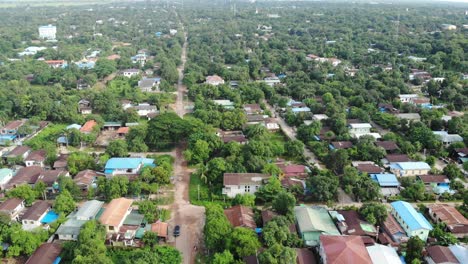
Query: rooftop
[410, 216]
[26, 175]
[344, 249]
[89, 210]
[45, 254]
[416, 165]
[385, 179]
[244, 178]
[88, 126]
[5, 173]
[305, 256]
[460, 252]
[37, 155]
[36, 211]
[240, 216]
[383, 254]
[18, 151]
[393, 158]
[387, 145]
[433, 179]
[448, 214]
[360, 125]
[354, 224]
[314, 218]
[10, 204]
[85, 177]
[392, 226]
[369, 168]
[440, 254]
[342, 144]
[127, 163]
[115, 212]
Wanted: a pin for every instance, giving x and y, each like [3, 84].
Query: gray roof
[76, 220]
[70, 227]
[314, 218]
[89, 210]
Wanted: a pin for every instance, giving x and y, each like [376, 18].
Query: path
[190, 218]
[291, 133]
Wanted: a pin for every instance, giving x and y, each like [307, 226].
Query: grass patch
[201, 194]
[47, 137]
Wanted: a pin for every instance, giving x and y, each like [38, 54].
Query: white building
[446, 138]
[362, 129]
[413, 222]
[242, 183]
[130, 72]
[47, 32]
[272, 81]
[145, 109]
[31, 219]
[173, 31]
[407, 98]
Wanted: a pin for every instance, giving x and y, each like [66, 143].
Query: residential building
[242, 183]
[130, 72]
[5, 176]
[232, 136]
[25, 175]
[343, 249]
[61, 163]
[255, 119]
[272, 81]
[407, 98]
[448, 27]
[241, 216]
[358, 130]
[84, 107]
[460, 252]
[88, 127]
[294, 171]
[31, 51]
[149, 84]
[456, 223]
[305, 256]
[350, 223]
[368, 167]
[140, 59]
[145, 109]
[340, 145]
[461, 154]
[11, 128]
[394, 230]
[253, 109]
[409, 116]
[389, 146]
[31, 219]
[36, 158]
[126, 166]
[413, 222]
[319, 117]
[312, 222]
[272, 125]
[86, 179]
[389, 184]
[440, 255]
[395, 158]
[304, 109]
[46, 253]
[214, 80]
[436, 183]
[160, 228]
[50, 178]
[115, 213]
[403, 169]
[446, 138]
[56, 64]
[12, 207]
[123, 131]
[48, 32]
[172, 31]
[71, 228]
[226, 104]
[381, 254]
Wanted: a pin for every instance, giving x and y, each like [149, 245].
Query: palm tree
[202, 169]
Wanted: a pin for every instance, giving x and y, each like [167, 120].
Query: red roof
[123, 130]
[45, 254]
[88, 126]
[85, 177]
[160, 228]
[397, 158]
[387, 145]
[10, 204]
[344, 250]
[434, 179]
[369, 168]
[440, 254]
[294, 170]
[240, 215]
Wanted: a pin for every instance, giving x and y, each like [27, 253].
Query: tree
[64, 203]
[217, 228]
[117, 148]
[215, 170]
[414, 249]
[199, 153]
[149, 239]
[294, 148]
[268, 192]
[452, 171]
[244, 242]
[244, 199]
[443, 237]
[223, 258]
[277, 254]
[165, 130]
[337, 160]
[90, 247]
[272, 169]
[79, 161]
[23, 192]
[274, 233]
[374, 213]
[306, 133]
[104, 67]
[323, 188]
[284, 203]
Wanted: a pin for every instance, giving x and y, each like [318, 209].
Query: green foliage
[217, 229]
[452, 171]
[244, 199]
[277, 254]
[117, 148]
[113, 188]
[284, 203]
[444, 238]
[414, 249]
[374, 213]
[266, 193]
[360, 185]
[243, 242]
[294, 148]
[24, 192]
[90, 247]
[323, 188]
[223, 258]
[79, 161]
[64, 203]
[21, 242]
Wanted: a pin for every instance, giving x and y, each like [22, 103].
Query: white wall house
[47, 32]
[407, 98]
[130, 72]
[242, 183]
[403, 169]
[34, 214]
[126, 166]
[413, 222]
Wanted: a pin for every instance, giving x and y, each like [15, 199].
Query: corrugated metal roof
[127, 163]
[383, 254]
[89, 210]
[386, 180]
[315, 218]
[410, 216]
[417, 165]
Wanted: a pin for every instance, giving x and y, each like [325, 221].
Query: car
[177, 231]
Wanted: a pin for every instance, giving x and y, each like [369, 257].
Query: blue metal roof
[300, 109]
[75, 126]
[386, 180]
[411, 165]
[410, 216]
[126, 163]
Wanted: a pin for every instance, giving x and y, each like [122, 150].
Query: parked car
[177, 231]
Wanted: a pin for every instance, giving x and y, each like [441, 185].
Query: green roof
[314, 221]
[134, 219]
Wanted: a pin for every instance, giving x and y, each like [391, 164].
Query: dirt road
[190, 218]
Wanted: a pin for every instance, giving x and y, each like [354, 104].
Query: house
[440, 255]
[297, 110]
[149, 84]
[115, 213]
[46, 253]
[394, 230]
[312, 222]
[448, 27]
[31, 51]
[389, 146]
[140, 59]
[130, 72]
[232, 136]
[407, 98]
[36, 158]
[241, 216]
[446, 138]
[294, 171]
[47, 32]
[451, 115]
[381, 254]
[88, 127]
[214, 80]
[172, 31]
[145, 109]
[11, 128]
[50, 178]
[18, 153]
[252, 109]
[395, 158]
[437, 183]
[12, 207]
[415, 117]
[56, 64]
[271, 124]
[70, 229]
[255, 119]
[25, 175]
[419, 74]
[160, 228]
[389, 184]
[226, 104]
[319, 117]
[368, 167]
[242, 183]
[460, 252]
[126, 166]
[340, 145]
[5, 176]
[111, 126]
[461, 154]
[123, 131]
[403, 169]
[31, 219]
[456, 223]
[84, 107]
[413, 222]
[61, 163]
[85, 179]
[350, 223]
[358, 130]
[343, 249]
[272, 81]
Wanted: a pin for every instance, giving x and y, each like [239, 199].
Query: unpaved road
[190, 218]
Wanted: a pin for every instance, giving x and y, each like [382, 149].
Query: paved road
[291, 133]
[190, 218]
